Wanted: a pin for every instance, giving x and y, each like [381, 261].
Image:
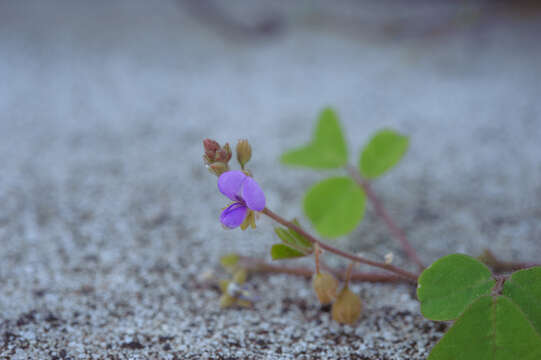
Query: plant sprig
[498, 316]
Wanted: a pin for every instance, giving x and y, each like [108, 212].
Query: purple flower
[246, 195]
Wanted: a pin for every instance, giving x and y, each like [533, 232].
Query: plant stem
[381, 212]
[257, 265]
[411, 276]
[349, 272]
[499, 266]
[317, 251]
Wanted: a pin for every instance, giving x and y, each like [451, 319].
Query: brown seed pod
[325, 286]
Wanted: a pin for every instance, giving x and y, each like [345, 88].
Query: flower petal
[229, 183]
[253, 195]
[233, 215]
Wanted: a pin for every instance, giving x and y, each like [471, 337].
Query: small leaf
[327, 150]
[490, 329]
[229, 260]
[300, 240]
[281, 251]
[382, 152]
[448, 286]
[524, 288]
[335, 206]
[294, 239]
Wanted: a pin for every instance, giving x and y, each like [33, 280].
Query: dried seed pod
[347, 308]
[325, 286]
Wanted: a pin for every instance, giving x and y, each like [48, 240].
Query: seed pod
[347, 308]
[325, 286]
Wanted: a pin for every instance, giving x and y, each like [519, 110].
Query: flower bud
[347, 308]
[224, 154]
[244, 152]
[325, 286]
[218, 168]
[210, 147]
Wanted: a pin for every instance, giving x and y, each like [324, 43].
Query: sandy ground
[108, 218]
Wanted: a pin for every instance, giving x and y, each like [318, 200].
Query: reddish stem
[257, 265]
[381, 212]
[412, 277]
[499, 266]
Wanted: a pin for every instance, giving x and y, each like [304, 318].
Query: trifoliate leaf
[490, 329]
[281, 251]
[448, 286]
[327, 150]
[382, 152]
[524, 289]
[335, 206]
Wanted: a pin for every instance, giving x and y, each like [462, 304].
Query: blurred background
[107, 215]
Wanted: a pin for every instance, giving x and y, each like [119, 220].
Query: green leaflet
[382, 152]
[524, 288]
[492, 328]
[327, 150]
[335, 206]
[450, 284]
[281, 251]
[293, 239]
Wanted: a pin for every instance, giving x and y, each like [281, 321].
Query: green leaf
[382, 152]
[524, 288]
[327, 150]
[299, 239]
[293, 239]
[229, 260]
[335, 206]
[490, 329]
[448, 286]
[281, 251]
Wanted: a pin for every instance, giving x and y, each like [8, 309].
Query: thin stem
[498, 286]
[381, 212]
[317, 251]
[499, 266]
[348, 272]
[412, 277]
[257, 265]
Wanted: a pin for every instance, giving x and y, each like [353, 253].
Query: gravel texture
[108, 218]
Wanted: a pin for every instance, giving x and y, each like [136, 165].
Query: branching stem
[406, 274]
[258, 265]
[381, 212]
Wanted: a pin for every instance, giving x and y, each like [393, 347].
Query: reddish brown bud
[210, 147]
[347, 308]
[325, 286]
[224, 154]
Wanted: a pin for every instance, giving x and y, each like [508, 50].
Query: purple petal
[233, 215]
[253, 195]
[229, 183]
